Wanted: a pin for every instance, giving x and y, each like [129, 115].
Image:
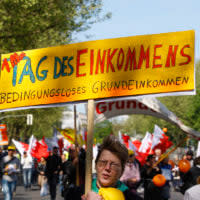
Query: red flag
[40, 149]
[25, 146]
[164, 144]
[125, 139]
[61, 145]
[141, 157]
[144, 148]
[137, 143]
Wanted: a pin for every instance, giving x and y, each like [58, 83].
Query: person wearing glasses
[110, 164]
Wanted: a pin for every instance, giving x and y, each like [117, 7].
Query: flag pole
[76, 147]
[172, 150]
[89, 147]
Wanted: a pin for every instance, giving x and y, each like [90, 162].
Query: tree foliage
[193, 112]
[30, 24]
[44, 119]
[101, 130]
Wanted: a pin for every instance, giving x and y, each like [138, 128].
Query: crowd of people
[117, 173]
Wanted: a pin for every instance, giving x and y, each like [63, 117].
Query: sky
[141, 17]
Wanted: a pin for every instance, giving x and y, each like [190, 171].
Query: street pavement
[34, 194]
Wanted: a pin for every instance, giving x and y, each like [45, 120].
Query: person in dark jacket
[151, 192]
[2, 154]
[72, 191]
[189, 178]
[53, 166]
[110, 163]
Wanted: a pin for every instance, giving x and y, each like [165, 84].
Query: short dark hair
[190, 153]
[197, 161]
[55, 147]
[112, 144]
[150, 157]
[198, 180]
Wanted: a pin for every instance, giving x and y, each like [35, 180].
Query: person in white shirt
[27, 162]
[193, 193]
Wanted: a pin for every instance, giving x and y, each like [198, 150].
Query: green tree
[138, 124]
[101, 130]
[44, 119]
[117, 125]
[193, 112]
[30, 24]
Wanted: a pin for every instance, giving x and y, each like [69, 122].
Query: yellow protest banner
[138, 65]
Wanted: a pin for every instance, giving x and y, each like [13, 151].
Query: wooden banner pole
[172, 150]
[76, 148]
[89, 146]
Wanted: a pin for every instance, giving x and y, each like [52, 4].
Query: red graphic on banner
[3, 135]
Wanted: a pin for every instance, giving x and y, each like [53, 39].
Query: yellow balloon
[111, 194]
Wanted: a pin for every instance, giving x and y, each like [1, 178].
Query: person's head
[131, 156]
[63, 158]
[198, 180]
[72, 152]
[55, 150]
[151, 159]
[25, 154]
[158, 152]
[197, 161]
[11, 150]
[165, 160]
[189, 155]
[42, 160]
[110, 161]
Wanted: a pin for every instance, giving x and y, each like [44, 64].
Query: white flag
[120, 137]
[32, 144]
[66, 143]
[198, 149]
[146, 143]
[20, 146]
[157, 135]
[132, 147]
